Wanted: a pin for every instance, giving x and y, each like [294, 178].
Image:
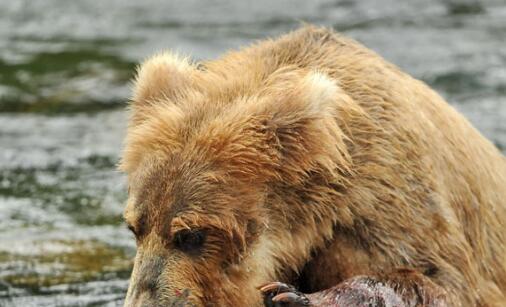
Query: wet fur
[308, 156]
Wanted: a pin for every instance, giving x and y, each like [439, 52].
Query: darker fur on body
[311, 160]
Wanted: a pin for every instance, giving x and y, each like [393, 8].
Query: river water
[65, 68]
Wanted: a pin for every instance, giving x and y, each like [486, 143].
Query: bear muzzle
[143, 289]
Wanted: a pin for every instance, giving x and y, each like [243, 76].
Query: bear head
[211, 158]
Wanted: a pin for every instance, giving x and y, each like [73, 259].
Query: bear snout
[143, 288]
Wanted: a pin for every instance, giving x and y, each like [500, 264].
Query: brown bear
[310, 160]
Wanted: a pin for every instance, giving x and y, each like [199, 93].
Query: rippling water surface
[64, 76]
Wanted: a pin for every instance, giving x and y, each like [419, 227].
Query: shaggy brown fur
[307, 159]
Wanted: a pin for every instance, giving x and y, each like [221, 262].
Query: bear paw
[278, 294]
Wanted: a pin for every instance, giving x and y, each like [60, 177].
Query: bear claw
[278, 286]
[280, 294]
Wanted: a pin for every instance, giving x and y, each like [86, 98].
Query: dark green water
[64, 76]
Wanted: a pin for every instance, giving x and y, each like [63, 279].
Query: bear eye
[132, 229]
[189, 241]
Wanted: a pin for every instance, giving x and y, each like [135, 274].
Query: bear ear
[289, 130]
[312, 97]
[162, 78]
[156, 113]
[304, 126]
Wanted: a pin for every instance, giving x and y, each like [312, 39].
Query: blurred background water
[65, 68]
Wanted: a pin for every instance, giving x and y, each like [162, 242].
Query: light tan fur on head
[163, 76]
[279, 133]
[160, 85]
